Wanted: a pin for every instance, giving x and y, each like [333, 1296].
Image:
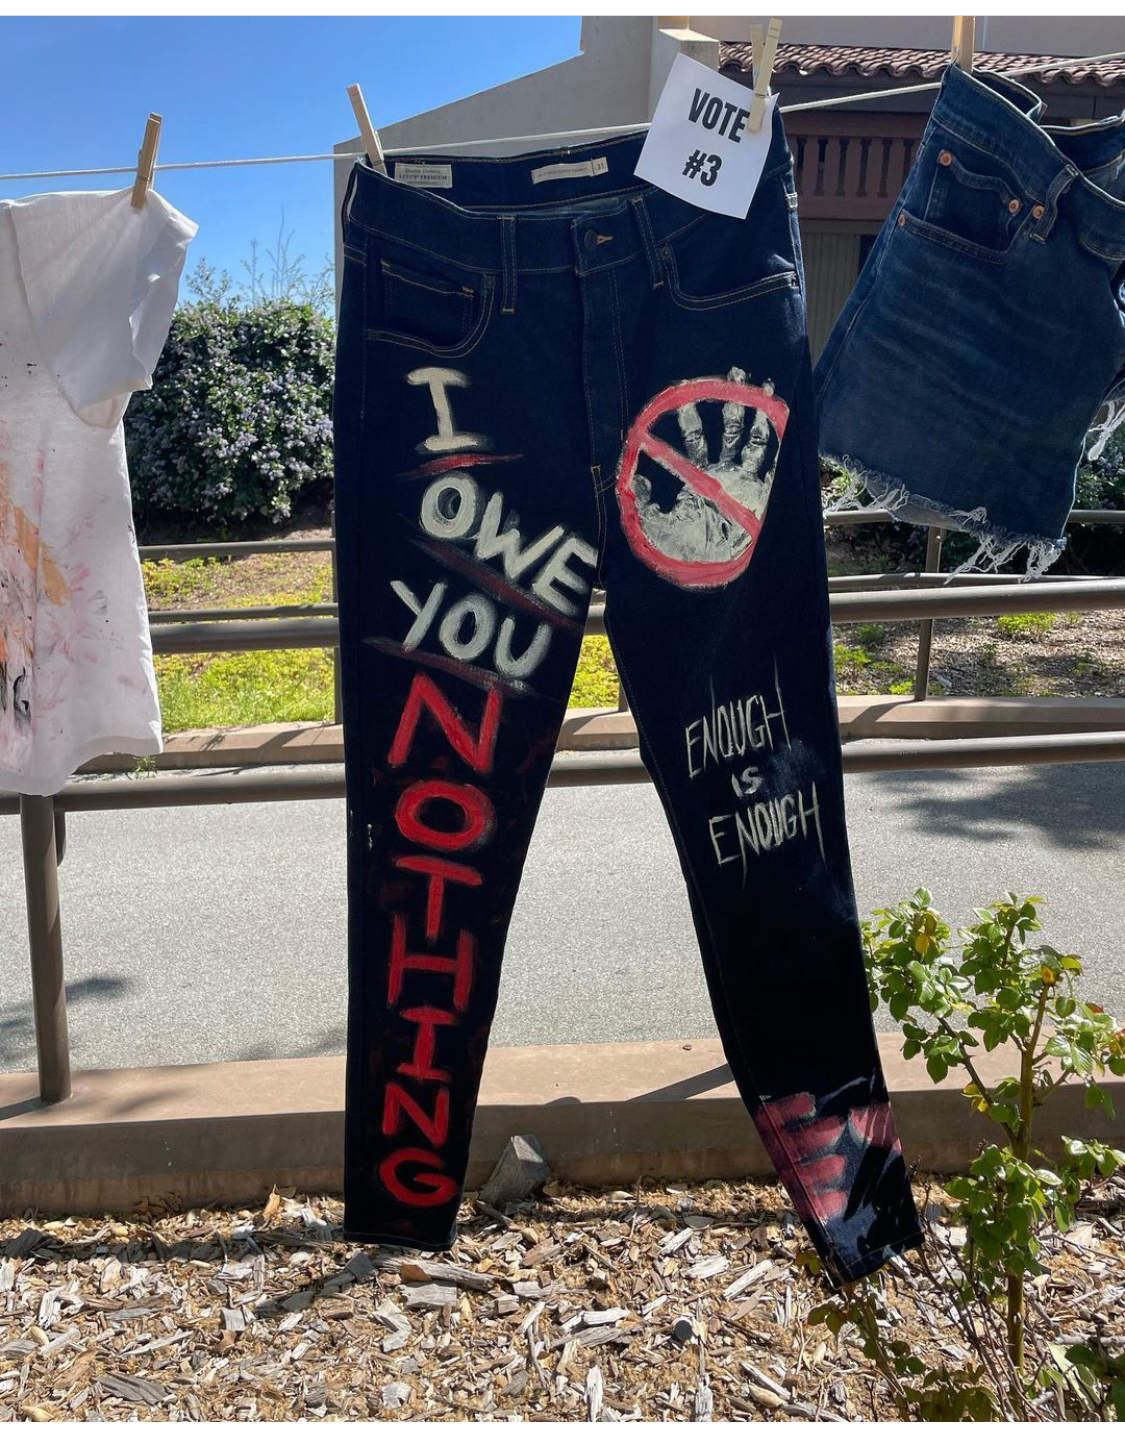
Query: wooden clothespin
[368, 132]
[146, 161]
[757, 40]
[763, 71]
[964, 36]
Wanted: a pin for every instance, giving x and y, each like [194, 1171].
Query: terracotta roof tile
[866, 62]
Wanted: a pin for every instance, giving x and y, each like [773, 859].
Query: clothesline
[571, 134]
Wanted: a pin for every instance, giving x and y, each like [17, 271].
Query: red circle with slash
[641, 439]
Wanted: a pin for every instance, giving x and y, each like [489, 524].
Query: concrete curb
[606, 1114]
[604, 728]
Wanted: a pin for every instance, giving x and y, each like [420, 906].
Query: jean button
[591, 240]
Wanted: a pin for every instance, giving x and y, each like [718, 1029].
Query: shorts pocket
[438, 311]
[971, 202]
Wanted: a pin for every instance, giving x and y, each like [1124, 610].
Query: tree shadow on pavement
[1074, 807]
[17, 1018]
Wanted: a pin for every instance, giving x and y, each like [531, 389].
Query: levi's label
[425, 176]
[580, 169]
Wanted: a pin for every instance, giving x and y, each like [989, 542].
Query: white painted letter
[436, 516]
[491, 540]
[447, 439]
[714, 833]
[480, 611]
[424, 613]
[556, 571]
[516, 666]
[693, 770]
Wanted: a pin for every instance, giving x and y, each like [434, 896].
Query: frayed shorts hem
[996, 544]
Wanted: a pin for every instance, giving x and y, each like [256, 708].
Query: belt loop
[648, 238]
[508, 263]
[1046, 221]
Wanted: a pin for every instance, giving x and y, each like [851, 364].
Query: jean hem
[841, 1271]
[996, 544]
[394, 1240]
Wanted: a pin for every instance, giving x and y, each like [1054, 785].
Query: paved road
[218, 933]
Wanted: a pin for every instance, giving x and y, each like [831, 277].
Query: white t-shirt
[87, 289]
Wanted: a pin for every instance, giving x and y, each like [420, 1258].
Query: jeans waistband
[1002, 118]
[505, 214]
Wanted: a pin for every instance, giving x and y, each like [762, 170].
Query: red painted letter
[402, 959]
[425, 1042]
[476, 810]
[425, 694]
[441, 1187]
[435, 1126]
[439, 872]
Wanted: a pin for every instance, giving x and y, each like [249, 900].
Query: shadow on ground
[17, 1019]
[1073, 807]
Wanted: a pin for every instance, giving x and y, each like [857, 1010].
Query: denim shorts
[987, 327]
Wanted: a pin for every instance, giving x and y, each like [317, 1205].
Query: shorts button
[902, 221]
[945, 157]
[591, 240]
[1014, 206]
[1038, 211]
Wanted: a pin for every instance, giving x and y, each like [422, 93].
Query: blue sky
[76, 93]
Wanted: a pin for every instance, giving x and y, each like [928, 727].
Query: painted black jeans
[551, 376]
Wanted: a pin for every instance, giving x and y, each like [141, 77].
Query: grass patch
[858, 672]
[168, 581]
[595, 681]
[277, 579]
[244, 688]
[252, 688]
[1025, 626]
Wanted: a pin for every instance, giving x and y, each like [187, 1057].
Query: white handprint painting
[703, 529]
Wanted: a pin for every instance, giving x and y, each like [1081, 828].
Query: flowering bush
[1101, 480]
[238, 420]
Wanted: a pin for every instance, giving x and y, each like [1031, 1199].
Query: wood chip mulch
[656, 1303]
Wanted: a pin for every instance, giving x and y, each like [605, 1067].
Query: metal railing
[930, 574]
[887, 597]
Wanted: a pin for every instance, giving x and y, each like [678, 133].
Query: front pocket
[973, 201]
[787, 278]
[432, 309]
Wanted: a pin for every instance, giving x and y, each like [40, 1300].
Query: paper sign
[698, 145]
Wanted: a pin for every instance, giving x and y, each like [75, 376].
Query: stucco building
[851, 161]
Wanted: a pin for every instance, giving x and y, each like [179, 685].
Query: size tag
[698, 146]
[580, 169]
[425, 176]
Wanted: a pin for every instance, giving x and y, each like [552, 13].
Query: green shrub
[870, 635]
[1025, 626]
[238, 420]
[954, 998]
